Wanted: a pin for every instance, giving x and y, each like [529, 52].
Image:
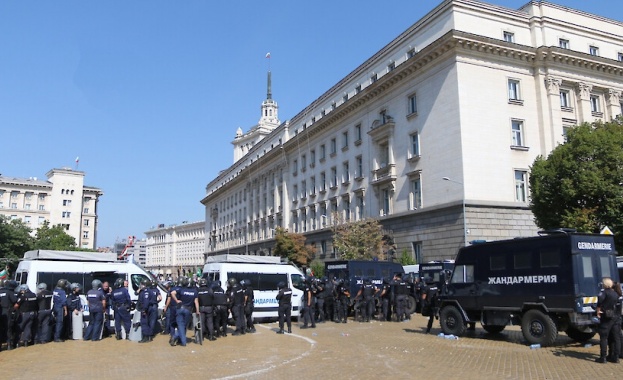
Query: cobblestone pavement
[345, 351]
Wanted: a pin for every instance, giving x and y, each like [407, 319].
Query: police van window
[24, 278]
[269, 281]
[296, 279]
[51, 278]
[550, 258]
[522, 260]
[497, 262]
[136, 280]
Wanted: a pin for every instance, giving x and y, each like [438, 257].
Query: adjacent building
[433, 135]
[175, 249]
[62, 199]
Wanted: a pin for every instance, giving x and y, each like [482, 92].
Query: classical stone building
[61, 199]
[433, 135]
[175, 249]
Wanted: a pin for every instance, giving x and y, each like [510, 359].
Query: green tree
[317, 268]
[360, 240]
[292, 246]
[406, 259]
[580, 184]
[15, 240]
[54, 238]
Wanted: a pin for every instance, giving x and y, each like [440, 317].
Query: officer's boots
[118, 336]
[280, 331]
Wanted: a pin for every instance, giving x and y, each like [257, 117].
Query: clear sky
[149, 94]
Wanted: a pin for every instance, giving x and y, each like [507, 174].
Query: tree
[54, 238]
[406, 259]
[359, 240]
[292, 246]
[580, 184]
[317, 268]
[15, 240]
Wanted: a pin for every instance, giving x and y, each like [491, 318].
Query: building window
[391, 66]
[346, 206]
[333, 106]
[620, 57]
[385, 202]
[358, 167]
[14, 194]
[563, 43]
[312, 158]
[415, 196]
[565, 101]
[417, 251]
[312, 189]
[295, 166]
[27, 219]
[513, 90]
[304, 189]
[41, 197]
[414, 151]
[345, 140]
[509, 36]
[27, 206]
[517, 132]
[593, 50]
[333, 146]
[595, 106]
[295, 193]
[323, 182]
[521, 188]
[323, 152]
[360, 205]
[410, 53]
[86, 222]
[358, 89]
[346, 174]
[357, 132]
[303, 162]
[41, 208]
[333, 176]
[85, 234]
[374, 78]
[1, 204]
[412, 104]
[345, 98]
[13, 205]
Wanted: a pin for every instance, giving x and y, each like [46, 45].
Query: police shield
[198, 328]
[77, 326]
[135, 329]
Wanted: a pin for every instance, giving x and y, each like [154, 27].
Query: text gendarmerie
[512, 280]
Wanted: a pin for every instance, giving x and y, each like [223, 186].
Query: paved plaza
[330, 351]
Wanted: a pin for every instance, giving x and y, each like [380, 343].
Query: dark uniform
[44, 314]
[121, 302]
[285, 307]
[97, 304]
[321, 295]
[343, 298]
[386, 300]
[609, 322]
[7, 312]
[206, 307]
[309, 315]
[146, 299]
[236, 301]
[59, 308]
[367, 292]
[27, 306]
[329, 300]
[249, 306]
[220, 309]
[74, 307]
[400, 297]
[187, 303]
[429, 302]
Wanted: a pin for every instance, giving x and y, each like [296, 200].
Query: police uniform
[74, 306]
[121, 302]
[367, 292]
[59, 309]
[7, 302]
[186, 302]
[285, 308]
[400, 298]
[206, 307]
[329, 301]
[220, 309]
[308, 306]
[249, 306]
[96, 300]
[44, 316]
[321, 294]
[343, 296]
[609, 323]
[27, 306]
[429, 298]
[386, 295]
[236, 299]
[145, 299]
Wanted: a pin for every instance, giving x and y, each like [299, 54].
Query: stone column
[584, 102]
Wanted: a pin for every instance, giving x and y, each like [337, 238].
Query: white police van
[264, 273]
[80, 267]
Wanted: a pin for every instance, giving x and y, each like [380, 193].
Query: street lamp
[463, 205]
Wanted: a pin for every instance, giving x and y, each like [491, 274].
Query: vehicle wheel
[579, 336]
[538, 328]
[492, 329]
[452, 321]
[411, 305]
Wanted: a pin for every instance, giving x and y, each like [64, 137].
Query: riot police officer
[285, 307]
[74, 307]
[220, 309]
[249, 306]
[386, 300]
[321, 294]
[308, 304]
[206, 308]
[187, 302]
[27, 306]
[366, 294]
[342, 300]
[400, 297]
[236, 301]
[7, 302]
[329, 300]
[145, 300]
[44, 313]
[59, 308]
[97, 305]
[429, 301]
[121, 302]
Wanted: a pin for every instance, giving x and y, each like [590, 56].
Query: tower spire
[269, 94]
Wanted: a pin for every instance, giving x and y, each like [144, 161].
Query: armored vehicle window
[463, 274]
[587, 266]
[385, 272]
[370, 272]
[358, 272]
[550, 258]
[523, 260]
[604, 262]
[497, 262]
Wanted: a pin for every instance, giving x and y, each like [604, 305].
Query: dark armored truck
[546, 284]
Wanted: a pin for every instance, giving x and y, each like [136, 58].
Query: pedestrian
[429, 301]
[284, 296]
[249, 300]
[44, 313]
[236, 304]
[187, 303]
[97, 304]
[121, 302]
[205, 294]
[59, 308]
[220, 309]
[27, 306]
[7, 302]
[609, 322]
[366, 295]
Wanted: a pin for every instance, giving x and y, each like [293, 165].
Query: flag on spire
[77, 159]
[268, 55]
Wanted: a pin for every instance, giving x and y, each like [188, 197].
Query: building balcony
[386, 173]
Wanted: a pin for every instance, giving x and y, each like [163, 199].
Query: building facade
[62, 199]
[433, 135]
[175, 249]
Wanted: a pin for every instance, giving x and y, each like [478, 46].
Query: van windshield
[260, 281]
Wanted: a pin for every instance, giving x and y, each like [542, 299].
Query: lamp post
[463, 206]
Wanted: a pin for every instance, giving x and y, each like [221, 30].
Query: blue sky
[149, 94]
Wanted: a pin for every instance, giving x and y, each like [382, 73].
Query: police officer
[167, 310]
[385, 296]
[429, 301]
[343, 298]
[249, 300]
[285, 307]
[106, 290]
[44, 313]
[366, 294]
[7, 302]
[329, 300]
[153, 308]
[145, 299]
[236, 301]
[321, 294]
[97, 305]
[59, 308]
[608, 321]
[27, 307]
[121, 302]
[206, 308]
[74, 307]
[400, 297]
[187, 302]
[220, 309]
[308, 305]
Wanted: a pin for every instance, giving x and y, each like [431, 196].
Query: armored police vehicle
[545, 284]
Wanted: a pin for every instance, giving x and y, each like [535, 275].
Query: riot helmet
[184, 282]
[23, 288]
[62, 283]
[41, 286]
[216, 285]
[203, 282]
[281, 285]
[232, 281]
[367, 281]
[244, 283]
[76, 287]
[96, 284]
[118, 283]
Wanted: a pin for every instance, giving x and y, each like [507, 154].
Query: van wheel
[579, 336]
[452, 321]
[411, 304]
[538, 328]
[492, 329]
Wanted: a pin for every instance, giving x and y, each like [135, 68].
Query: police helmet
[367, 281]
[23, 288]
[193, 283]
[118, 283]
[42, 286]
[245, 283]
[179, 281]
[281, 285]
[145, 283]
[203, 282]
[96, 284]
[427, 280]
[12, 285]
[75, 286]
[216, 285]
[232, 281]
[153, 284]
[184, 281]
[62, 283]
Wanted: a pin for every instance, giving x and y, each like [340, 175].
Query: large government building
[175, 249]
[61, 199]
[433, 135]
